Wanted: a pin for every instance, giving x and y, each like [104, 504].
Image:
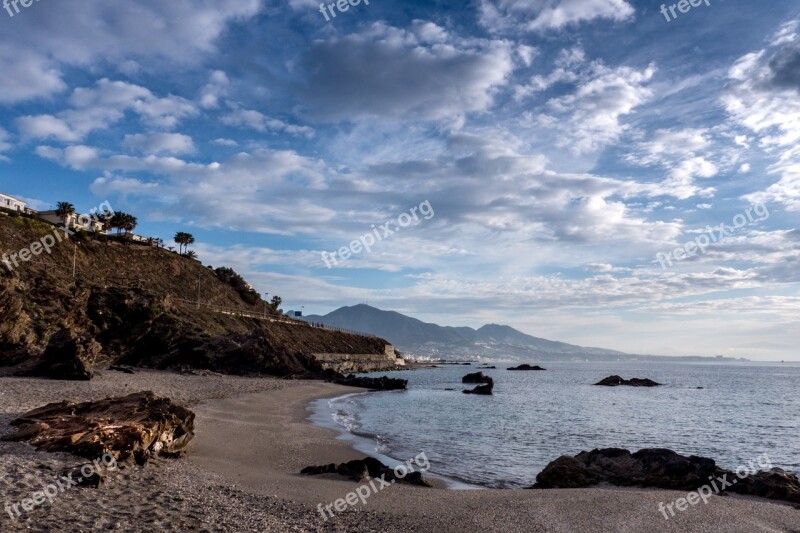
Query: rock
[120, 368]
[775, 484]
[487, 367]
[616, 381]
[658, 468]
[135, 427]
[359, 469]
[664, 469]
[477, 377]
[527, 367]
[378, 384]
[68, 356]
[485, 390]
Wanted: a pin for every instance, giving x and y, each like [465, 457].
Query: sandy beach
[241, 474]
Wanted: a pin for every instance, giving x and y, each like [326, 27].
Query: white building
[14, 204]
[74, 220]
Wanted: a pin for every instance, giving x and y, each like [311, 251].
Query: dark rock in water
[68, 356]
[616, 381]
[382, 383]
[449, 389]
[477, 377]
[774, 484]
[527, 367]
[664, 469]
[659, 468]
[359, 469]
[485, 390]
[487, 367]
[135, 427]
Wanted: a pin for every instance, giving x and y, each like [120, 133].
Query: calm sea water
[504, 440]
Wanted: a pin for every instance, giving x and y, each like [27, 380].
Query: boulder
[527, 367]
[135, 427]
[377, 384]
[477, 377]
[664, 469]
[360, 469]
[775, 484]
[659, 468]
[616, 381]
[69, 355]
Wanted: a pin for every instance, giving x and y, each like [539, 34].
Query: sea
[734, 413]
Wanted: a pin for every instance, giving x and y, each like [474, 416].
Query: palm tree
[64, 210]
[123, 221]
[191, 254]
[130, 223]
[183, 239]
[276, 302]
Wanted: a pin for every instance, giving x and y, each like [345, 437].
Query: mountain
[492, 341]
[422, 338]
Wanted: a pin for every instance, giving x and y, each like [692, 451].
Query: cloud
[419, 73]
[103, 105]
[160, 143]
[762, 98]
[540, 15]
[38, 48]
[591, 116]
[248, 118]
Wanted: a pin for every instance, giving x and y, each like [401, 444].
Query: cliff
[137, 305]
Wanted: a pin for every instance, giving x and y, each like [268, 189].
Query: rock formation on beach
[383, 383]
[140, 305]
[664, 469]
[134, 427]
[527, 367]
[616, 381]
[361, 469]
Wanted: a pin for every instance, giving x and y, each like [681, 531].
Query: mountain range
[492, 341]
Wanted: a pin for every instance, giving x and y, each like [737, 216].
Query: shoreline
[253, 437]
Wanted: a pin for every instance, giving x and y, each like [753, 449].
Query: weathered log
[136, 427]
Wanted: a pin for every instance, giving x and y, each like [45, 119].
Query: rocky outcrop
[527, 367]
[646, 468]
[774, 484]
[69, 356]
[134, 427]
[616, 381]
[362, 469]
[664, 469]
[477, 377]
[376, 384]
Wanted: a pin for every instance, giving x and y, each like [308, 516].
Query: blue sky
[562, 145]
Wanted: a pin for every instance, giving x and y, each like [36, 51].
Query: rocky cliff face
[127, 305]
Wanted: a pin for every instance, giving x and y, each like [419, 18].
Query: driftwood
[136, 427]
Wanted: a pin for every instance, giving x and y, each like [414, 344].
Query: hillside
[137, 305]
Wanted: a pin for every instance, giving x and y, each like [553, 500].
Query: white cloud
[538, 15]
[102, 106]
[36, 52]
[248, 118]
[160, 143]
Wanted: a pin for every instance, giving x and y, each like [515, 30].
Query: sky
[544, 152]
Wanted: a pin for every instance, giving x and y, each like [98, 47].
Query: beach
[242, 474]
